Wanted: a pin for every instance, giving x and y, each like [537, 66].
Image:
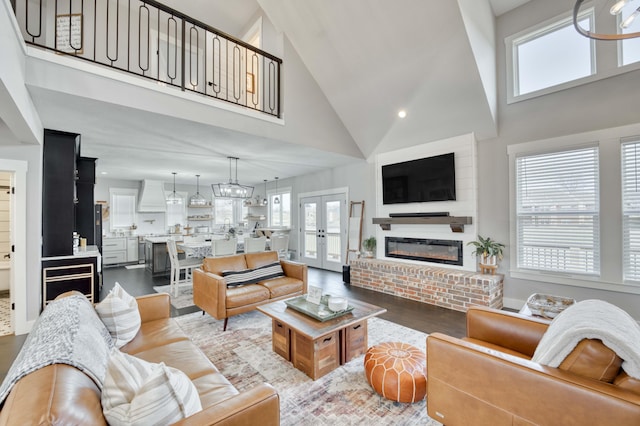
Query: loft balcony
[153, 41]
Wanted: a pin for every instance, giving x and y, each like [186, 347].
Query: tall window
[630, 48]
[224, 211]
[176, 213]
[551, 55]
[280, 212]
[631, 210]
[123, 208]
[557, 208]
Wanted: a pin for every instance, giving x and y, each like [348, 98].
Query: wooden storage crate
[281, 339]
[315, 357]
[353, 341]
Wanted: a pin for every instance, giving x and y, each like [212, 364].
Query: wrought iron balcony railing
[151, 40]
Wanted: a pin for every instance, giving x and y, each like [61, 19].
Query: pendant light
[173, 198]
[616, 9]
[197, 199]
[232, 189]
[264, 200]
[277, 199]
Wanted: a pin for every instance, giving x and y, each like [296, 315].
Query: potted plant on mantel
[490, 251]
[369, 246]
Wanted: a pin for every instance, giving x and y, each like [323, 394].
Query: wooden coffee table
[316, 347]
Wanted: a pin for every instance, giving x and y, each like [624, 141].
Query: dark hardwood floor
[416, 315]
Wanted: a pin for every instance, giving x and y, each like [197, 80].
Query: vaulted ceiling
[369, 58]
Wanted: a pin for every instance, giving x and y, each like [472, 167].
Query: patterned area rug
[184, 299]
[343, 397]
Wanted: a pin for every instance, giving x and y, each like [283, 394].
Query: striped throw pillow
[137, 392]
[119, 313]
[250, 276]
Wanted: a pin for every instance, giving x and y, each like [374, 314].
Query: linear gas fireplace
[438, 251]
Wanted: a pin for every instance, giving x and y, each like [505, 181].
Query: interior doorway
[323, 223]
[6, 314]
[17, 169]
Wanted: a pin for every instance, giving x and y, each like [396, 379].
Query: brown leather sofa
[210, 292]
[61, 394]
[488, 378]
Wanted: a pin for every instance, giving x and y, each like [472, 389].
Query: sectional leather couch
[63, 395]
[488, 378]
[212, 295]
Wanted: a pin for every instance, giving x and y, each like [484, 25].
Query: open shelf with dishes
[200, 213]
[256, 211]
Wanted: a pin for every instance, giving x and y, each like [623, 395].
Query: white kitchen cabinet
[119, 250]
[114, 251]
[132, 249]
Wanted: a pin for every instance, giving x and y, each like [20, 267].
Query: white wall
[465, 204]
[16, 109]
[359, 177]
[601, 104]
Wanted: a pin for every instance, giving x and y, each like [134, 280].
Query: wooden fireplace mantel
[456, 223]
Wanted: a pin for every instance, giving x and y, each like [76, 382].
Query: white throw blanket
[592, 319]
[67, 332]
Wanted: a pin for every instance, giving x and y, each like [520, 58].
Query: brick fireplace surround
[447, 288]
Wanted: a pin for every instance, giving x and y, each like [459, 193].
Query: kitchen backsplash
[148, 223]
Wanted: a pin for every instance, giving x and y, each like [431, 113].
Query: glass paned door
[323, 229]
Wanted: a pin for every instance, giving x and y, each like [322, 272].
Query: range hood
[152, 197]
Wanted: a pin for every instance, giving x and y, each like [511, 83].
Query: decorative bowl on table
[548, 306]
[337, 304]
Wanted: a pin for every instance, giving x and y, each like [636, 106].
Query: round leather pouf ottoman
[396, 371]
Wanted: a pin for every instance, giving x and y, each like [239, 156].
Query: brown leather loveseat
[61, 394]
[488, 378]
[211, 294]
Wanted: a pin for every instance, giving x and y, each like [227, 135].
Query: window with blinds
[558, 218]
[631, 210]
[123, 208]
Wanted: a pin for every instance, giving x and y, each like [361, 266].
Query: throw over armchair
[488, 378]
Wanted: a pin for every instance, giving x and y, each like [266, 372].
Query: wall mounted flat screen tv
[422, 180]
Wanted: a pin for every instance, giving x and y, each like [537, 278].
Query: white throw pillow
[137, 392]
[119, 313]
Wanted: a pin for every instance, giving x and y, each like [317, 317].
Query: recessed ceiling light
[402, 113]
[103, 173]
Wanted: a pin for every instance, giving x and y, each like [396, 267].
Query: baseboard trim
[510, 303]
[28, 326]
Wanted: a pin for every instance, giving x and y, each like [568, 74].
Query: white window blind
[631, 210]
[558, 220]
[224, 211]
[123, 207]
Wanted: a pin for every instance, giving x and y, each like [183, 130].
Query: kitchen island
[156, 256]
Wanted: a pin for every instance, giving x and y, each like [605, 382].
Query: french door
[324, 225]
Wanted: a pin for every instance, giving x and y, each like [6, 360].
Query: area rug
[184, 299]
[343, 397]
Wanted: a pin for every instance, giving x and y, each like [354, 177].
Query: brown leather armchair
[488, 378]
